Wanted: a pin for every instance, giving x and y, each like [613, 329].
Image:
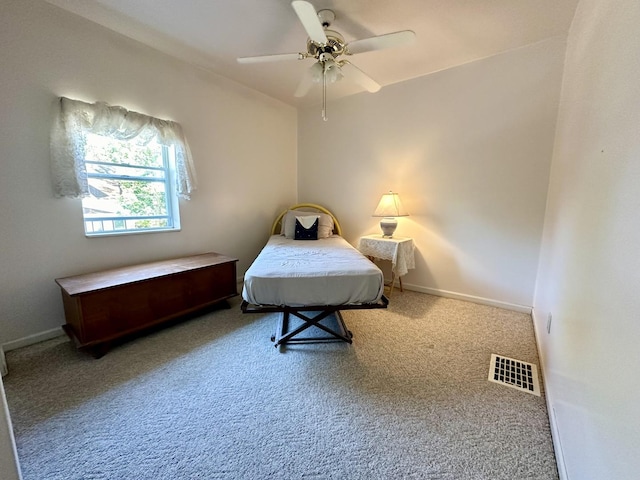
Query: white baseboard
[56, 332]
[555, 434]
[469, 298]
[25, 342]
[31, 339]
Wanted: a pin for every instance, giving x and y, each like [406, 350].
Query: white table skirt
[398, 250]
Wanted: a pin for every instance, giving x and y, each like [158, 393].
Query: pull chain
[324, 92]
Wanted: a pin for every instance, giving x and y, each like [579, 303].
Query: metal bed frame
[311, 315]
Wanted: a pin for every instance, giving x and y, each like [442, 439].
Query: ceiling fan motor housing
[335, 45]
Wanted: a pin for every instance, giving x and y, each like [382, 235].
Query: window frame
[171, 195]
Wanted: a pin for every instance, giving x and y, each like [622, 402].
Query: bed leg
[281, 329]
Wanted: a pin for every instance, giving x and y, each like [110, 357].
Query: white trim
[3, 363]
[469, 298]
[7, 441]
[555, 433]
[31, 339]
[8, 452]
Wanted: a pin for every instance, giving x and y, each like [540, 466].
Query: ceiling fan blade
[306, 82]
[380, 42]
[272, 58]
[349, 70]
[310, 21]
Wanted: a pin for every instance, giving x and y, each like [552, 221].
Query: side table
[398, 250]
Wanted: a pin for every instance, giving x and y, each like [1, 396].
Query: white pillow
[288, 228]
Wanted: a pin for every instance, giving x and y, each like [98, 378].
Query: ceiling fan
[326, 47]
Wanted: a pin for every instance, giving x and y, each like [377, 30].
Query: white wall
[243, 143]
[588, 278]
[468, 149]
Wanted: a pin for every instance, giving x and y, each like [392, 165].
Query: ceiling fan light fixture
[332, 72]
[326, 70]
[317, 72]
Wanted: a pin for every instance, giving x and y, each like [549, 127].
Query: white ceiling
[213, 33]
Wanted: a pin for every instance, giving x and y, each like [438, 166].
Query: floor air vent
[514, 373]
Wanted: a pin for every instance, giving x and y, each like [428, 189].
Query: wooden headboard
[275, 229]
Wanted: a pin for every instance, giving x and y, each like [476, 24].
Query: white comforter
[296, 273]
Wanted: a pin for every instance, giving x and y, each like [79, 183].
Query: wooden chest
[103, 306]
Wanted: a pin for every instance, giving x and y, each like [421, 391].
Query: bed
[309, 272]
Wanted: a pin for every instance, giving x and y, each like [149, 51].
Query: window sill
[141, 232]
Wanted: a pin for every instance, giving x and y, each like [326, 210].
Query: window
[128, 168]
[130, 187]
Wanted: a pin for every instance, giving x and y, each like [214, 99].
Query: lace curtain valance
[74, 119]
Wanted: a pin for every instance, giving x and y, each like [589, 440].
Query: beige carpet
[211, 398]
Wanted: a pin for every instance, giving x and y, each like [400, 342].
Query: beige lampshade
[390, 206]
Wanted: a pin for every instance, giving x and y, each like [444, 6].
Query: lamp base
[388, 226]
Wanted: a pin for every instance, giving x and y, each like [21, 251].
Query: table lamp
[389, 208]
